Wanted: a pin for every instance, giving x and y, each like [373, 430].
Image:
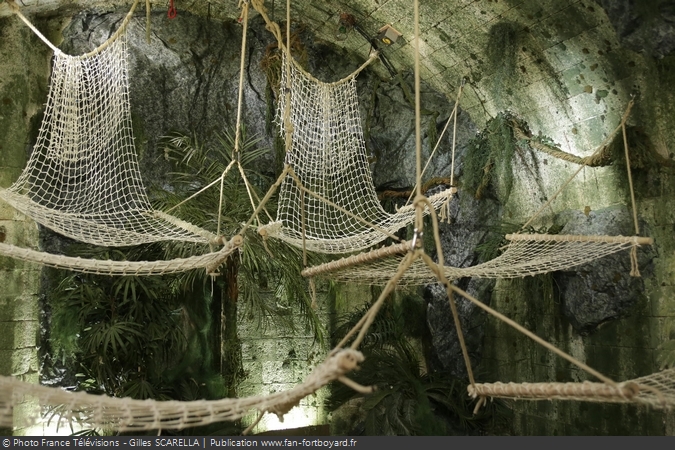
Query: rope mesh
[656, 390]
[328, 155]
[82, 179]
[525, 255]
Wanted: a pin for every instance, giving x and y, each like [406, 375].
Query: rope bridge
[125, 414]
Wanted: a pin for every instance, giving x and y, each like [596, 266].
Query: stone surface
[471, 222]
[647, 27]
[595, 293]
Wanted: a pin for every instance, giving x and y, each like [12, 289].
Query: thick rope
[361, 258]
[622, 392]
[95, 51]
[600, 149]
[125, 414]
[148, 22]
[209, 261]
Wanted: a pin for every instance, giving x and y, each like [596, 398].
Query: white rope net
[328, 155]
[125, 414]
[208, 261]
[525, 255]
[656, 390]
[82, 179]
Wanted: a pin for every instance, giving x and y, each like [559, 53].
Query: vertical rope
[437, 269]
[242, 62]
[419, 222]
[418, 116]
[220, 202]
[438, 142]
[147, 21]
[454, 135]
[634, 269]
[237, 136]
[445, 209]
[630, 178]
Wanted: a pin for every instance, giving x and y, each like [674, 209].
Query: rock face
[472, 221]
[184, 80]
[603, 290]
[647, 27]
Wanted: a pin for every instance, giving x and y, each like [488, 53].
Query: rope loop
[172, 12]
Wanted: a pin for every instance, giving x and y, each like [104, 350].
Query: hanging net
[328, 157]
[82, 179]
[656, 390]
[525, 255]
[125, 414]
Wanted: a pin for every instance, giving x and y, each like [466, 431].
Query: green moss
[487, 164]
[501, 54]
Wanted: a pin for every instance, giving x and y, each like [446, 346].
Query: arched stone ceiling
[557, 63]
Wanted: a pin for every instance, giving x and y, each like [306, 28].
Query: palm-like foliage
[157, 337]
[126, 334]
[408, 400]
[264, 268]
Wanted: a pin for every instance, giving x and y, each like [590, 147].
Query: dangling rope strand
[147, 21]
[242, 65]
[445, 209]
[437, 268]
[453, 114]
[419, 218]
[634, 267]
[418, 115]
[454, 134]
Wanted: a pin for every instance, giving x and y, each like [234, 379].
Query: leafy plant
[488, 161]
[408, 400]
[261, 264]
[128, 336]
[162, 337]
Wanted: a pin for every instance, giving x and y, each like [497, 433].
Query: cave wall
[562, 66]
[622, 342]
[23, 80]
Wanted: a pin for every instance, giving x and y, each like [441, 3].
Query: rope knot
[346, 360]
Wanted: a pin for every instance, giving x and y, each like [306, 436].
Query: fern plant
[264, 278]
[408, 400]
[161, 337]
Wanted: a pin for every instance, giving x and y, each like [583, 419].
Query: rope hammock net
[311, 185]
[328, 158]
[83, 180]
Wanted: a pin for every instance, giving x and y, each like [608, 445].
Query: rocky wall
[616, 324]
[23, 79]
